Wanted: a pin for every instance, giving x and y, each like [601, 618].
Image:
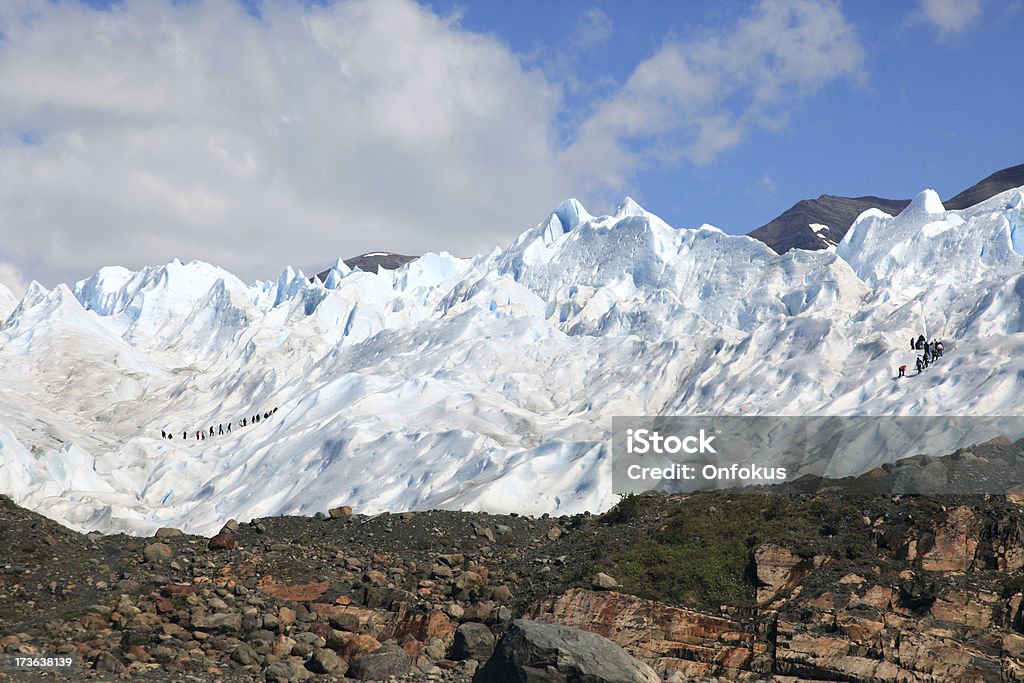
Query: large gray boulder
[536, 652]
[381, 664]
[473, 640]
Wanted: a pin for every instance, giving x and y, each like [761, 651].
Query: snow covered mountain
[491, 382]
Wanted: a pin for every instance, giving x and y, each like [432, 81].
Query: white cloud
[14, 281]
[593, 29]
[949, 17]
[194, 130]
[697, 98]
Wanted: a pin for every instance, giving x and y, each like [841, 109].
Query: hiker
[920, 365]
[163, 434]
[913, 343]
[211, 431]
[197, 435]
[229, 427]
[903, 371]
[266, 415]
[220, 429]
[184, 435]
[920, 342]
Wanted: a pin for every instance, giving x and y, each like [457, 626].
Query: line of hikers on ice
[932, 351]
[221, 429]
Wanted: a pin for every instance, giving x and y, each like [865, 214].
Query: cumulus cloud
[163, 129]
[695, 99]
[195, 130]
[949, 17]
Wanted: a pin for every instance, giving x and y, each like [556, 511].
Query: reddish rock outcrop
[954, 544]
[865, 635]
[670, 639]
[297, 592]
[779, 569]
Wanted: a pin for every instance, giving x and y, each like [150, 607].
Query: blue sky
[938, 106]
[135, 132]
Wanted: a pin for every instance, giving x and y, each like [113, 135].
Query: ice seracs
[488, 382]
[926, 246]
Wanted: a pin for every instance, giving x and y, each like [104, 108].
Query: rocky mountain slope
[821, 223]
[836, 582]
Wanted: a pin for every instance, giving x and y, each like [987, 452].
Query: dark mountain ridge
[792, 229]
[371, 261]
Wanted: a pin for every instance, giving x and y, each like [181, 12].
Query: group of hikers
[932, 351]
[221, 429]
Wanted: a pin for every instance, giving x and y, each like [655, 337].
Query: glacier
[486, 383]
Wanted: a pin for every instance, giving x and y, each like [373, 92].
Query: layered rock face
[671, 639]
[948, 615]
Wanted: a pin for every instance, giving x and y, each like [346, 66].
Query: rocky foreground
[823, 583]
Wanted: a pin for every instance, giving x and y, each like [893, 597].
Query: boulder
[502, 593]
[468, 581]
[222, 541]
[245, 655]
[345, 621]
[473, 640]
[157, 552]
[108, 663]
[224, 621]
[280, 672]
[293, 592]
[325, 661]
[168, 532]
[381, 664]
[452, 559]
[549, 653]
